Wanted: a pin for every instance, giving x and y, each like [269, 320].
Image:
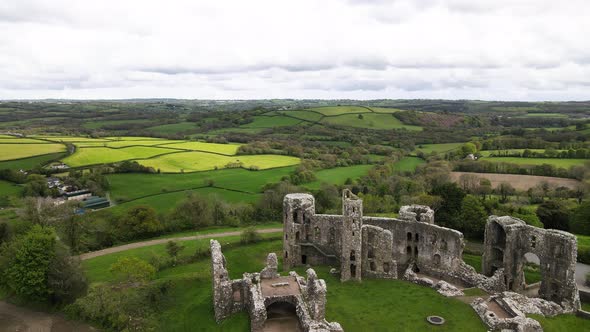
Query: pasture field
[303, 115]
[385, 110]
[263, 121]
[236, 130]
[337, 175]
[9, 189]
[437, 148]
[226, 149]
[408, 164]
[546, 115]
[339, 110]
[380, 121]
[202, 161]
[134, 138]
[125, 187]
[100, 124]
[122, 144]
[29, 163]
[520, 182]
[18, 140]
[486, 153]
[101, 155]
[557, 162]
[18, 151]
[173, 128]
[72, 139]
[166, 202]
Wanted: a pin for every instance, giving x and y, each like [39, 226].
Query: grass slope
[131, 186]
[9, 189]
[339, 110]
[101, 155]
[18, 151]
[263, 121]
[173, 128]
[201, 161]
[122, 144]
[227, 149]
[338, 175]
[369, 120]
[29, 163]
[303, 115]
[437, 148]
[408, 164]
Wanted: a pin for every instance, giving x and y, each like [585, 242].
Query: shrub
[249, 235]
[132, 269]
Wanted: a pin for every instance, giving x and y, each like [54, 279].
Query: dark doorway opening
[303, 259]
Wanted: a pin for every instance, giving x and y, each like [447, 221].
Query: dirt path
[14, 318]
[148, 243]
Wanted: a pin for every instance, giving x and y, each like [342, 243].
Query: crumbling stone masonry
[256, 292]
[508, 239]
[419, 251]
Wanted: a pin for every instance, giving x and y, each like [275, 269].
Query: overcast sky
[358, 49]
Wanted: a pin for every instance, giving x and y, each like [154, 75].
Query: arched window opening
[417, 237]
[373, 266]
[416, 251]
[297, 236]
[386, 267]
[352, 255]
[409, 236]
[409, 250]
[370, 253]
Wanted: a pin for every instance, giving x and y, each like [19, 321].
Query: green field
[226, 149]
[9, 189]
[304, 115]
[125, 187]
[487, 153]
[408, 164]
[69, 138]
[546, 115]
[18, 151]
[122, 144]
[338, 175]
[174, 128]
[557, 162]
[100, 124]
[437, 148]
[166, 202]
[369, 120]
[385, 110]
[15, 140]
[367, 306]
[201, 161]
[29, 163]
[262, 121]
[340, 110]
[101, 155]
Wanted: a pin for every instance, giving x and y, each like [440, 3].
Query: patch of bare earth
[520, 182]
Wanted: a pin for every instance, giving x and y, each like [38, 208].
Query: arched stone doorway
[531, 274]
[281, 316]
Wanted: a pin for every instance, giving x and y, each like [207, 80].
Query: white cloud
[492, 49]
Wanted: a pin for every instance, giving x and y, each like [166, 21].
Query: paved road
[148, 243]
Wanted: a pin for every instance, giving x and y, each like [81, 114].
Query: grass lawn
[369, 120]
[408, 164]
[29, 163]
[202, 161]
[227, 149]
[173, 128]
[373, 305]
[263, 121]
[130, 186]
[339, 110]
[338, 175]
[557, 162]
[101, 155]
[18, 151]
[563, 323]
[437, 148]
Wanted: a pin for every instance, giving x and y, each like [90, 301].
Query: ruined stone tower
[298, 210]
[352, 221]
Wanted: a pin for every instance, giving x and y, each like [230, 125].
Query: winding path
[148, 243]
